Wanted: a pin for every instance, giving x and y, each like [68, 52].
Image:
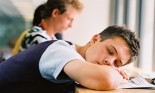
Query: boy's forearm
[110, 79]
[93, 76]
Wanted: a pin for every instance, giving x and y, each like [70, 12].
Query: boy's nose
[109, 61]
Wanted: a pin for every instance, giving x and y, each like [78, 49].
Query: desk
[84, 90]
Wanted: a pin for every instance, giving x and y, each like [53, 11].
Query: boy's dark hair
[37, 17]
[61, 5]
[125, 33]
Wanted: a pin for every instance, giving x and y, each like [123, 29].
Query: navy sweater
[20, 74]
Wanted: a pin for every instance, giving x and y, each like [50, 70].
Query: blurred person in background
[56, 16]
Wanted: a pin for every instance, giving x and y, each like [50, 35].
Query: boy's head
[126, 34]
[60, 14]
[116, 46]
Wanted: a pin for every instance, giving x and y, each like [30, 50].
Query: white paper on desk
[137, 82]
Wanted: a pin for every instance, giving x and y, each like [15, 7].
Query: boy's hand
[123, 73]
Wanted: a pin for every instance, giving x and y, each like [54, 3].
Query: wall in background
[93, 19]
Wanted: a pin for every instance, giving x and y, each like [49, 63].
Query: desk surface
[84, 90]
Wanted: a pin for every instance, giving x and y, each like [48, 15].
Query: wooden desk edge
[85, 90]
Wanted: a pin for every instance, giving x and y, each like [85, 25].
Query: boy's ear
[96, 38]
[55, 12]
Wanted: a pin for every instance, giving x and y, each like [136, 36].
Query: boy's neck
[82, 49]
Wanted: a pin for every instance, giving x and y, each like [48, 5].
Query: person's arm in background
[93, 76]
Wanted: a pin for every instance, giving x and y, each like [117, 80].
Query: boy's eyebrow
[117, 53]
